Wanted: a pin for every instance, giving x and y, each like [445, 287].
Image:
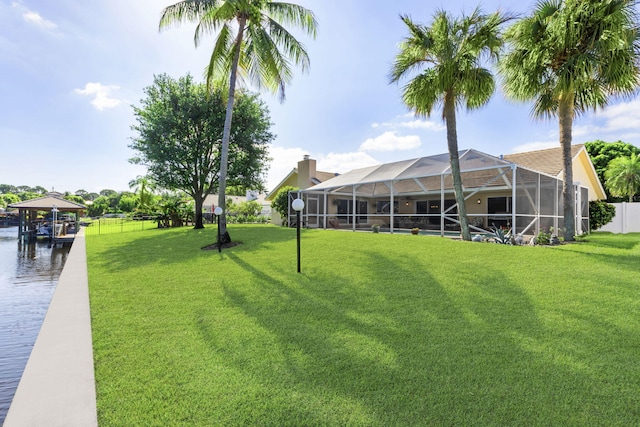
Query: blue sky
[71, 70]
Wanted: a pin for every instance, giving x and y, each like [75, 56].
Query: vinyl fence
[627, 219]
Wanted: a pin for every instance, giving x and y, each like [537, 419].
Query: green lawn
[115, 225]
[377, 330]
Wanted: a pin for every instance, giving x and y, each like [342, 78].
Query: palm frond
[292, 48]
[297, 16]
[185, 11]
[221, 55]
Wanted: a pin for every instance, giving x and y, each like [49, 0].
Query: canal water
[28, 277]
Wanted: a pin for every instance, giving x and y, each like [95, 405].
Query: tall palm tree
[448, 59]
[251, 41]
[570, 56]
[623, 176]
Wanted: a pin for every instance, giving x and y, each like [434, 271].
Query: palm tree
[570, 56]
[449, 58]
[144, 186]
[252, 40]
[623, 176]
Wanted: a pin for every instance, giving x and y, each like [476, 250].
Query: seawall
[57, 387]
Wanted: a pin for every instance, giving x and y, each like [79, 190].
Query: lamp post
[54, 214]
[298, 205]
[217, 212]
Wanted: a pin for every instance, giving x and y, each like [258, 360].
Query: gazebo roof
[47, 203]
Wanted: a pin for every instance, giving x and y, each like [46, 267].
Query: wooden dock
[65, 238]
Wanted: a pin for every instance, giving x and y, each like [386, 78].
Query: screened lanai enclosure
[418, 193]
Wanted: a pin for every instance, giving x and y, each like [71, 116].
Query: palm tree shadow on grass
[175, 246]
[397, 345]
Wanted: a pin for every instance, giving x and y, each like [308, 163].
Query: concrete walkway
[57, 388]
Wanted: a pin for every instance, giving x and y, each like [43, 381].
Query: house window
[498, 205]
[432, 207]
[345, 211]
[382, 206]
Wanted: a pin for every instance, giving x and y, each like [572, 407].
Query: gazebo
[418, 193]
[65, 218]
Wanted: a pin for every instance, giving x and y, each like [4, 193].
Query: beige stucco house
[304, 176]
[521, 191]
[549, 161]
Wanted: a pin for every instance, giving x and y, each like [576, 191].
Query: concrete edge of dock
[57, 387]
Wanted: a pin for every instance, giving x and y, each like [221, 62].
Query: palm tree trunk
[198, 201]
[452, 143]
[565, 119]
[226, 134]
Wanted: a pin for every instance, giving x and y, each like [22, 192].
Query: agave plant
[499, 235]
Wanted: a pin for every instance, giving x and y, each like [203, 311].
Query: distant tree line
[170, 209]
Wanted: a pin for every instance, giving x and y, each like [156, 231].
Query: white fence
[627, 219]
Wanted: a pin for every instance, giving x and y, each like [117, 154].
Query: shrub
[543, 238]
[600, 213]
[280, 203]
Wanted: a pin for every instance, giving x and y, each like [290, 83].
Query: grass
[377, 330]
[116, 225]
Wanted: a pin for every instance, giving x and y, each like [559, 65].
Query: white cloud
[37, 20]
[402, 122]
[423, 124]
[585, 130]
[537, 145]
[625, 115]
[102, 95]
[391, 141]
[284, 160]
[344, 162]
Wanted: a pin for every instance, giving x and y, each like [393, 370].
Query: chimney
[306, 171]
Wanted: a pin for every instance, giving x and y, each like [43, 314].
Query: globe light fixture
[298, 206]
[217, 212]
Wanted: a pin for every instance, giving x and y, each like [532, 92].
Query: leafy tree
[179, 127]
[108, 192]
[82, 193]
[127, 203]
[6, 188]
[448, 55]
[600, 214]
[256, 48]
[601, 153]
[280, 203]
[28, 195]
[623, 176]
[74, 198]
[8, 199]
[114, 201]
[570, 56]
[98, 207]
[25, 189]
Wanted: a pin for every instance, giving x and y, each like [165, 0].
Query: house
[522, 192]
[304, 176]
[549, 161]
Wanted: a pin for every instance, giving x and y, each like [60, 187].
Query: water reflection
[28, 276]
